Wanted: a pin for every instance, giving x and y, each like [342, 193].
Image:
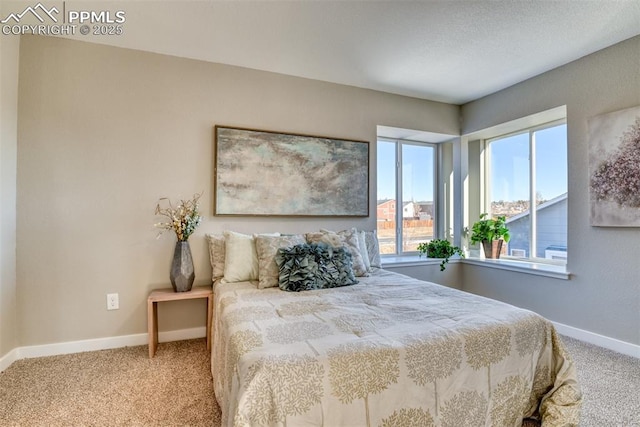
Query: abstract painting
[614, 167]
[260, 172]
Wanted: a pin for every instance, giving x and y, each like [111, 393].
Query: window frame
[531, 130]
[399, 201]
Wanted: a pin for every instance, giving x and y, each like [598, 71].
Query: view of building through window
[530, 169]
[524, 169]
[410, 204]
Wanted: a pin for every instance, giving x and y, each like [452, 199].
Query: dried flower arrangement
[183, 218]
[617, 178]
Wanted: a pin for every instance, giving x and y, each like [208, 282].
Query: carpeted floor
[610, 384]
[120, 387]
[123, 387]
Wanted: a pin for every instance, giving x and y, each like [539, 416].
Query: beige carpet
[120, 387]
[610, 384]
[123, 387]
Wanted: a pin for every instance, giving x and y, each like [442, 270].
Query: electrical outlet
[112, 302]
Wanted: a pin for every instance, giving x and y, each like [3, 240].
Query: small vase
[492, 249]
[182, 274]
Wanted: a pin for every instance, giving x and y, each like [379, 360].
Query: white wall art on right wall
[614, 168]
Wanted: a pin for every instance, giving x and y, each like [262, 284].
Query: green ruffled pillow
[306, 267]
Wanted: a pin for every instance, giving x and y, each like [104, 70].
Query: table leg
[209, 320]
[152, 326]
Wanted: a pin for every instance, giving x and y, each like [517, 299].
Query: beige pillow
[329, 237]
[216, 255]
[267, 248]
[241, 259]
[347, 239]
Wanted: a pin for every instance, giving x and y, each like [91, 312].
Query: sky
[417, 168]
[510, 165]
[509, 171]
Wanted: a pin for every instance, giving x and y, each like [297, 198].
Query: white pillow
[350, 237]
[241, 259]
[373, 248]
[362, 245]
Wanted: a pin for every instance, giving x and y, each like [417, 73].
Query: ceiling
[444, 50]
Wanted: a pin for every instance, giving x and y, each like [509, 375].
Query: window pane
[509, 190]
[387, 197]
[417, 195]
[551, 192]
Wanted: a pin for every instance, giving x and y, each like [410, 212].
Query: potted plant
[491, 232]
[439, 248]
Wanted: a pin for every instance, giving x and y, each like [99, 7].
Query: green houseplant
[439, 248]
[491, 232]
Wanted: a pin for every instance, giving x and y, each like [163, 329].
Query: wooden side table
[169, 294]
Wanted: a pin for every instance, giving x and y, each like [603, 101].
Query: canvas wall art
[614, 166]
[279, 174]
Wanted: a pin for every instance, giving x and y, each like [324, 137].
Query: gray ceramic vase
[182, 274]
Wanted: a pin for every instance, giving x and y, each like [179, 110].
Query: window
[406, 189]
[529, 168]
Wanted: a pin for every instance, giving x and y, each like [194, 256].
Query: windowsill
[527, 267]
[411, 261]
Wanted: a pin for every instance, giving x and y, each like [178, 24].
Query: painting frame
[614, 168]
[269, 173]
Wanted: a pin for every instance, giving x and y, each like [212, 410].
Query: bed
[388, 350]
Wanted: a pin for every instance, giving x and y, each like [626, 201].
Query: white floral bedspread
[390, 351]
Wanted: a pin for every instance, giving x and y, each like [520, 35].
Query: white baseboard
[96, 344]
[599, 340]
[186, 334]
[181, 334]
[8, 359]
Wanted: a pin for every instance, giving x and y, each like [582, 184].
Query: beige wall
[104, 132]
[451, 276]
[603, 295]
[9, 54]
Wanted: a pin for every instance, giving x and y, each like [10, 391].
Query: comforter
[389, 351]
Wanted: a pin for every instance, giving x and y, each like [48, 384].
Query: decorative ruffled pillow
[267, 249]
[347, 239]
[314, 266]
